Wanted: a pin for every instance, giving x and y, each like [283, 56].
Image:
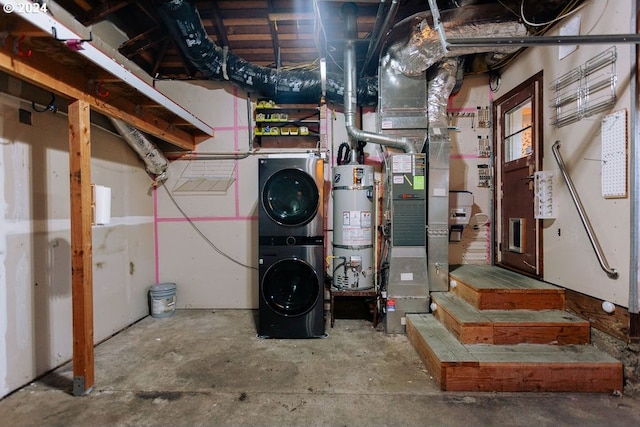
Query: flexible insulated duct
[183, 21]
[440, 85]
[415, 44]
[415, 48]
[155, 162]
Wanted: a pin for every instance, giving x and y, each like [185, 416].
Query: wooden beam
[72, 84]
[267, 37]
[634, 327]
[273, 27]
[615, 324]
[81, 246]
[249, 22]
[22, 28]
[143, 41]
[221, 33]
[101, 12]
[276, 17]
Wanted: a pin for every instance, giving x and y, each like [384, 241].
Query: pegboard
[614, 155]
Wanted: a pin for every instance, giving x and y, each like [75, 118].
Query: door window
[518, 136]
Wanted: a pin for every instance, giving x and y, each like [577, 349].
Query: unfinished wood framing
[514, 368]
[616, 324]
[487, 287]
[81, 246]
[472, 326]
[72, 84]
[507, 348]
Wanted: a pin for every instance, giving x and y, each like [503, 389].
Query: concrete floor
[206, 367]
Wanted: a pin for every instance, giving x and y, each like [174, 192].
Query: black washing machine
[291, 247]
[291, 291]
[291, 197]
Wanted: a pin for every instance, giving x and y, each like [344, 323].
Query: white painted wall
[569, 260]
[466, 128]
[205, 278]
[35, 260]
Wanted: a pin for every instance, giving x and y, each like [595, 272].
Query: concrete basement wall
[35, 260]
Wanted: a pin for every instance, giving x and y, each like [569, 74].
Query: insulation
[183, 21]
[155, 162]
[439, 88]
[413, 48]
[420, 46]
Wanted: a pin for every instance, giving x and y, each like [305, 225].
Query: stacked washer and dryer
[291, 247]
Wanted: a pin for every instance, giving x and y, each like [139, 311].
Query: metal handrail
[611, 272]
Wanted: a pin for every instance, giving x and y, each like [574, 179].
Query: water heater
[353, 227]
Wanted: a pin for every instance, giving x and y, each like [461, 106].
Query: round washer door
[290, 287]
[290, 197]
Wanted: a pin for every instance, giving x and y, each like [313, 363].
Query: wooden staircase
[496, 330]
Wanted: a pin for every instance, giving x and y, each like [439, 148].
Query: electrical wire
[50, 107]
[324, 33]
[344, 153]
[553, 21]
[569, 9]
[201, 234]
[516, 14]
[309, 66]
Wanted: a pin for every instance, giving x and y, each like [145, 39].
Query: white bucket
[162, 300]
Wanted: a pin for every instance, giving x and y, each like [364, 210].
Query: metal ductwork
[183, 21]
[440, 85]
[155, 162]
[349, 11]
[415, 44]
[415, 47]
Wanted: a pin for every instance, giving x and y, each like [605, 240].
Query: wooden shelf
[277, 132]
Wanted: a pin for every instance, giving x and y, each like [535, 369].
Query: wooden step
[488, 287]
[472, 326]
[513, 368]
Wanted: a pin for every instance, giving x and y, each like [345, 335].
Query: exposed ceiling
[283, 34]
[273, 33]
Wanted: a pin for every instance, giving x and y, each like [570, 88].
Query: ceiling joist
[97, 14]
[66, 83]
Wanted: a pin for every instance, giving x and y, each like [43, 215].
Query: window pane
[518, 136]
[517, 146]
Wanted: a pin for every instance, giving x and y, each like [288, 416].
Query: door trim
[537, 104]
